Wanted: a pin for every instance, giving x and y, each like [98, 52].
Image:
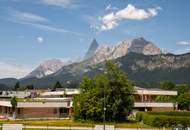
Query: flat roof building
[145, 100]
[59, 104]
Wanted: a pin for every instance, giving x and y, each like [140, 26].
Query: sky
[35, 30]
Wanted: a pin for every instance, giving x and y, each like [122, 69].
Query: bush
[139, 116]
[172, 113]
[167, 119]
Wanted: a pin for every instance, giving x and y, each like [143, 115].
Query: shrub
[139, 116]
[167, 119]
[172, 113]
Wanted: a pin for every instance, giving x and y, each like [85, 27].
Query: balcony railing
[37, 116]
[31, 104]
[154, 104]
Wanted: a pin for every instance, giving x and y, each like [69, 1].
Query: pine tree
[57, 85]
[17, 86]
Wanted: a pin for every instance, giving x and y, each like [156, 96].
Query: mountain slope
[47, 67]
[139, 67]
[51, 66]
[156, 68]
[8, 82]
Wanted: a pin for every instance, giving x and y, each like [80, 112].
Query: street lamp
[104, 117]
[104, 106]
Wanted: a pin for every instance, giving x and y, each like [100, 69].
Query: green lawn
[71, 123]
[39, 129]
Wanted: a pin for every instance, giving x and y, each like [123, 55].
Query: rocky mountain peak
[122, 48]
[97, 54]
[92, 49]
[47, 67]
[51, 62]
[142, 46]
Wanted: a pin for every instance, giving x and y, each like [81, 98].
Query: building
[58, 104]
[145, 100]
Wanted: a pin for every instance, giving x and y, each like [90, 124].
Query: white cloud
[37, 22]
[94, 23]
[61, 3]
[182, 51]
[183, 43]
[53, 29]
[14, 70]
[111, 20]
[28, 17]
[40, 39]
[109, 7]
[58, 3]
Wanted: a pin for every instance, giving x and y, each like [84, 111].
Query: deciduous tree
[112, 88]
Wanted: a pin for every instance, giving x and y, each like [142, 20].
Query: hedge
[172, 113]
[167, 119]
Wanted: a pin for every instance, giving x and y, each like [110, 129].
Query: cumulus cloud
[14, 70]
[40, 39]
[183, 43]
[111, 20]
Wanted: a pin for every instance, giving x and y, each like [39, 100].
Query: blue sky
[34, 30]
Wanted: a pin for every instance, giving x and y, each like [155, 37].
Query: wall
[37, 112]
[162, 109]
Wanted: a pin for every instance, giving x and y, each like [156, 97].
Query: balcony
[153, 104]
[38, 103]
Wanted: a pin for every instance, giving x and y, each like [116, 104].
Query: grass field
[40, 129]
[70, 123]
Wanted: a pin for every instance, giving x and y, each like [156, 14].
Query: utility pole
[104, 128]
[104, 116]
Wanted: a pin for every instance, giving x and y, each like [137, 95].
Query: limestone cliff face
[138, 45]
[165, 61]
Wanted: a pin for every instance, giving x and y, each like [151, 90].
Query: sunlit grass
[68, 123]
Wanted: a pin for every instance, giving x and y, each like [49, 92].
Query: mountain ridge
[139, 58]
[134, 64]
[47, 67]
[119, 49]
[139, 67]
[96, 54]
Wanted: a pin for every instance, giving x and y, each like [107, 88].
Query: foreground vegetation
[107, 96]
[149, 119]
[39, 129]
[164, 119]
[68, 123]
